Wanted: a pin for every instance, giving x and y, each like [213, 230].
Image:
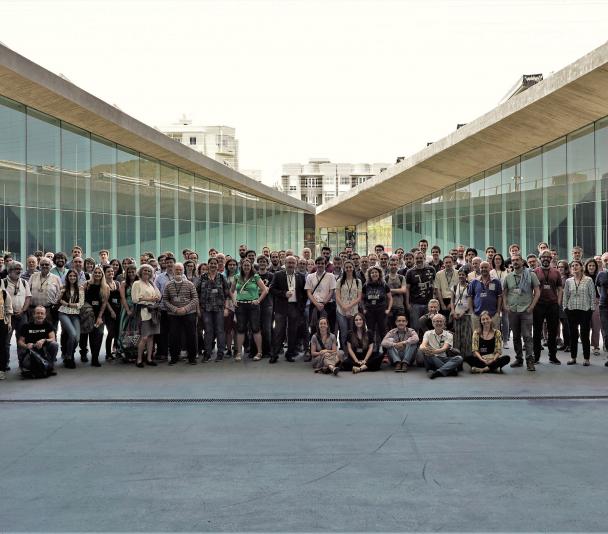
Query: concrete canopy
[30, 84]
[560, 104]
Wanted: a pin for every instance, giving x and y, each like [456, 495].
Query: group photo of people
[337, 312]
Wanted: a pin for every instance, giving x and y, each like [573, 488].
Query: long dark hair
[323, 316]
[502, 264]
[597, 268]
[343, 277]
[242, 274]
[354, 339]
[127, 280]
[69, 289]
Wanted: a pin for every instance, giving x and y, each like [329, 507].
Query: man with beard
[547, 307]
[275, 262]
[420, 281]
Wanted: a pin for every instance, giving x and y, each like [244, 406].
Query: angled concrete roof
[26, 82]
[562, 103]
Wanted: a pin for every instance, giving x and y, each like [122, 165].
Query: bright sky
[356, 81]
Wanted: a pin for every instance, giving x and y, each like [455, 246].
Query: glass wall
[556, 193]
[61, 185]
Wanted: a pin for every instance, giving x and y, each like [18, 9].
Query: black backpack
[33, 365]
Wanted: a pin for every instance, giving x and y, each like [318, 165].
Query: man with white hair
[19, 291]
[434, 346]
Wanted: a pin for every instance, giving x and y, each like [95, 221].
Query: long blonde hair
[105, 288]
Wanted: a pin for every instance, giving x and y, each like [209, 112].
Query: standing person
[579, 303]
[601, 283]
[6, 310]
[161, 280]
[275, 262]
[485, 294]
[117, 267]
[71, 300]
[520, 294]
[378, 301]
[401, 343]
[60, 270]
[461, 314]
[104, 257]
[129, 320]
[487, 348]
[112, 313]
[229, 316]
[420, 281]
[96, 293]
[499, 271]
[214, 301]
[591, 270]
[181, 303]
[250, 291]
[436, 261]
[326, 254]
[564, 270]
[547, 307]
[434, 346]
[445, 280]
[289, 296]
[266, 308]
[359, 355]
[45, 289]
[31, 267]
[190, 272]
[320, 287]
[19, 290]
[145, 296]
[348, 296]
[397, 285]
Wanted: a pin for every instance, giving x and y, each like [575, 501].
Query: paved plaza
[347, 464]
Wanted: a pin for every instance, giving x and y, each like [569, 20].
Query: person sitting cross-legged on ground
[487, 348]
[435, 345]
[326, 357]
[402, 344]
[38, 335]
[360, 349]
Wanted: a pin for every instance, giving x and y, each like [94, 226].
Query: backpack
[33, 365]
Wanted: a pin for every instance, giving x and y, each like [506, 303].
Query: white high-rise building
[217, 142]
[320, 180]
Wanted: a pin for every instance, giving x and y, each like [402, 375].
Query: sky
[356, 81]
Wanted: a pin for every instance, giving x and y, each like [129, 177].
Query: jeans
[546, 311]
[187, 325]
[213, 323]
[345, 324]
[521, 326]
[505, 329]
[579, 320]
[289, 323]
[443, 363]
[407, 354]
[70, 333]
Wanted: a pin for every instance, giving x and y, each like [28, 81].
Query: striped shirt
[180, 295]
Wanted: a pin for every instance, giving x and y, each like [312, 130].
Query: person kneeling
[37, 336]
[434, 346]
[487, 348]
[402, 344]
[361, 355]
[326, 357]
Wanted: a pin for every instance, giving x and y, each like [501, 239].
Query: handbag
[87, 318]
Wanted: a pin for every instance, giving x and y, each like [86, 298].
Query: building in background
[535, 168]
[320, 180]
[215, 142]
[76, 170]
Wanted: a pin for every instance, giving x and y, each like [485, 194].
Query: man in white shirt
[320, 287]
[19, 292]
[434, 346]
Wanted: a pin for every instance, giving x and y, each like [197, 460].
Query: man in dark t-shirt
[39, 336]
[420, 286]
[547, 307]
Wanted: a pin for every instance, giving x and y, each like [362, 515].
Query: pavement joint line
[300, 400]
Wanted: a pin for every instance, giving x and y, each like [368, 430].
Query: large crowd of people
[340, 312]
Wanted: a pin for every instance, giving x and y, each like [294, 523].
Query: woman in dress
[461, 315]
[486, 348]
[112, 313]
[145, 295]
[326, 357]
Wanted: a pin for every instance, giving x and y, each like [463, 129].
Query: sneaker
[530, 364]
[2, 375]
[219, 358]
[237, 358]
[335, 371]
[517, 363]
[554, 361]
[435, 374]
[205, 357]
